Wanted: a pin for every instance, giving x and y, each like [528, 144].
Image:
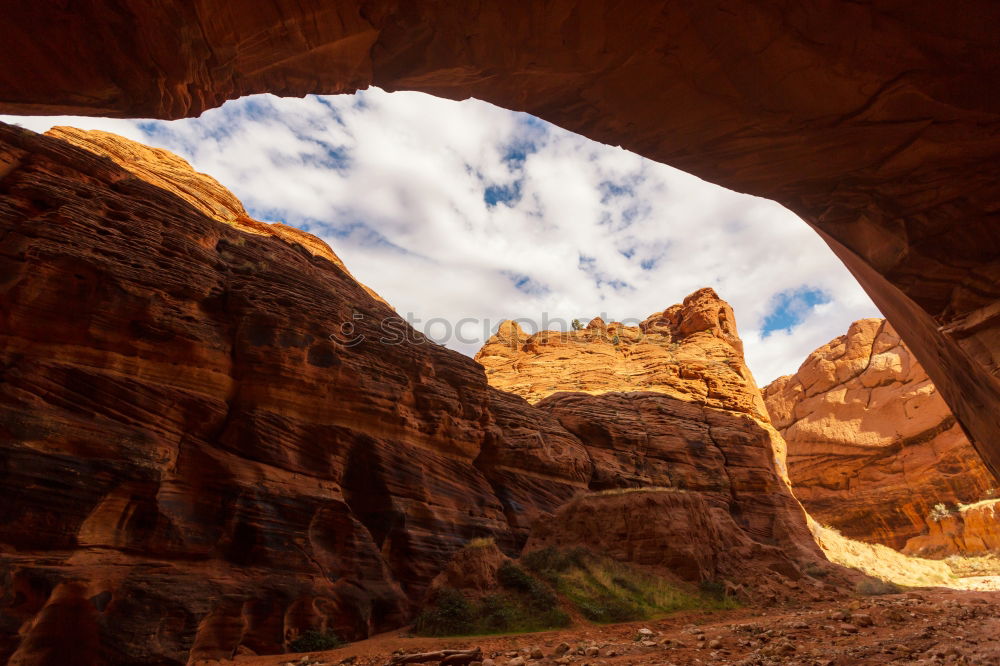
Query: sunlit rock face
[968, 529]
[689, 350]
[871, 121]
[199, 457]
[168, 171]
[195, 454]
[873, 448]
[667, 405]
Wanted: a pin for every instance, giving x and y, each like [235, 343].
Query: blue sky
[790, 308]
[458, 210]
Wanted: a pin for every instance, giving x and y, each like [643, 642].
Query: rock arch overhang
[878, 123]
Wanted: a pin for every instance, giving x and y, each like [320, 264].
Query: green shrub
[512, 613]
[315, 641]
[608, 591]
[625, 583]
[449, 614]
[517, 579]
[713, 589]
[528, 606]
[498, 613]
[939, 512]
[577, 326]
[514, 577]
[603, 590]
[611, 609]
[550, 562]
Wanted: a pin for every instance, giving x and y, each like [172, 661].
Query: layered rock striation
[173, 173]
[685, 535]
[666, 406]
[965, 529]
[210, 442]
[213, 438]
[197, 454]
[870, 121]
[690, 350]
[874, 451]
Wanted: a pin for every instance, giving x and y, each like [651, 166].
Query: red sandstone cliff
[195, 462]
[875, 122]
[873, 448]
[668, 406]
[168, 171]
[966, 529]
[192, 462]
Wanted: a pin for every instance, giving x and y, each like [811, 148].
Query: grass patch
[713, 589]
[974, 565]
[602, 589]
[523, 604]
[315, 641]
[481, 542]
[608, 591]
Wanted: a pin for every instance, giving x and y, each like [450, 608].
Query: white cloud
[395, 183]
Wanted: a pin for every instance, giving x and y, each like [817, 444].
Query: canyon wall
[200, 457]
[195, 457]
[968, 529]
[876, 123]
[667, 409]
[874, 451]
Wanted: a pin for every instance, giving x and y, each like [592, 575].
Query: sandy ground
[930, 626]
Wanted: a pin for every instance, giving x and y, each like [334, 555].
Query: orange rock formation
[873, 448]
[689, 350]
[668, 404]
[876, 123]
[967, 529]
[681, 533]
[198, 461]
[195, 459]
[172, 173]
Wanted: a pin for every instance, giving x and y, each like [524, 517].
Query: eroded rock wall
[682, 535]
[876, 123]
[194, 457]
[968, 529]
[872, 446]
[198, 458]
[667, 405]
